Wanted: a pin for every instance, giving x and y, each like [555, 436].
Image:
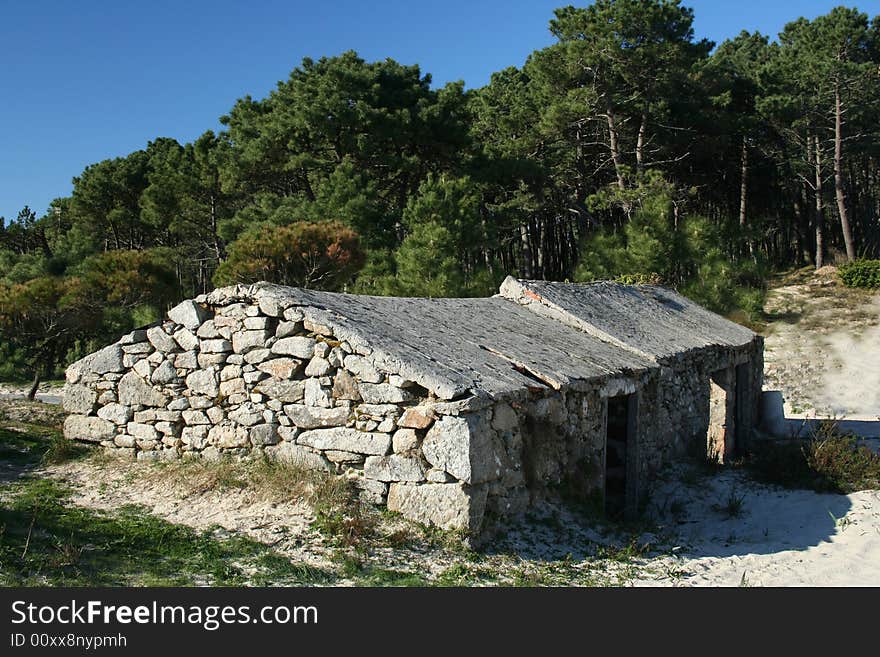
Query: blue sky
[87, 80]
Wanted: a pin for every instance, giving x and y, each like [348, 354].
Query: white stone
[301, 347]
[281, 368]
[161, 340]
[394, 468]
[449, 506]
[318, 367]
[404, 440]
[203, 382]
[244, 341]
[92, 429]
[309, 417]
[78, 398]
[283, 391]
[134, 391]
[218, 346]
[189, 314]
[116, 413]
[186, 339]
[363, 369]
[346, 439]
[316, 394]
[383, 393]
[463, 447]
[165, 373]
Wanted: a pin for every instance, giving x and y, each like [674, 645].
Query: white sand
[780, 538]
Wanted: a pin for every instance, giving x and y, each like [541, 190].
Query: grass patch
[45, 540]
[826, 463]
[28, 445]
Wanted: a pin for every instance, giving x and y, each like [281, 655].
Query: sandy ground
[778, 537]
[721, 529]
[822, 349]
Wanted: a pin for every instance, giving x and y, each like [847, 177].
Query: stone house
[449, 411]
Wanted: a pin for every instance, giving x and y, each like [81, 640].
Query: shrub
[861, 273]
[826, 463]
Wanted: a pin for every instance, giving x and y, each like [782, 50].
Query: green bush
[861, 273]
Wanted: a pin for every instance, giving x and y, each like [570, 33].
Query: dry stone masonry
[446, 410]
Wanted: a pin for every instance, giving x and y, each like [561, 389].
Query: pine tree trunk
[820, 209]
[32, 392]
[640, 143]
[614, 145]
[743, 191]
[838, 178]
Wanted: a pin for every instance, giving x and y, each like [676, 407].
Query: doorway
[720, 436]
[619, 447]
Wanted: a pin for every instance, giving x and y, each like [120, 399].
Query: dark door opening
[741, 398]
[617, 445]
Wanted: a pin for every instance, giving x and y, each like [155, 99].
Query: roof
[486, 346]
[649, 320]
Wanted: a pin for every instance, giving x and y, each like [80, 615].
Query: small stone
[207, 361]
[416, 417]
[219, 346]
[196, 437]
[286, 329]
[108, 359]
[165, 373]
[189, 314]
[228, 436]
[232, 387]
[142, 369]
[215, 414]
[116, 413]
[203, 382]
[179, 404]
[78, 398]
[346, 439]
[363, 369]
[281, 368]
[244, 341]
[318, 367]
[394, 468]
[264, 434]
[124, 440]
[301, 347]
[246, 415]
[257, 356]
[208, 331]
[308, 417]
[383, 393]
[256, 323]
[134, 391]
[142, 431]
[188, 360]
[404, 440]
[92, 429]
[316, 394]
[321, 349]
[161, 340]
[192, 417]
[145, 417]
[345, 386]
[185, 339]
[199, 402]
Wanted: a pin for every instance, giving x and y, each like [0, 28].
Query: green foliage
[861, 273]
[652, 248]
[829, 462]
[311, 255]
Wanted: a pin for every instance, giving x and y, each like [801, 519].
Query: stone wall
[232, 375]
[236, 379]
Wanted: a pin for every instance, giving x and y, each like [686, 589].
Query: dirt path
[822, 346]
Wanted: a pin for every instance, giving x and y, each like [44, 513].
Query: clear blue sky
[85, 80]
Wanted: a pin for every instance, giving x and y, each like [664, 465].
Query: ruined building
[446, 410]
